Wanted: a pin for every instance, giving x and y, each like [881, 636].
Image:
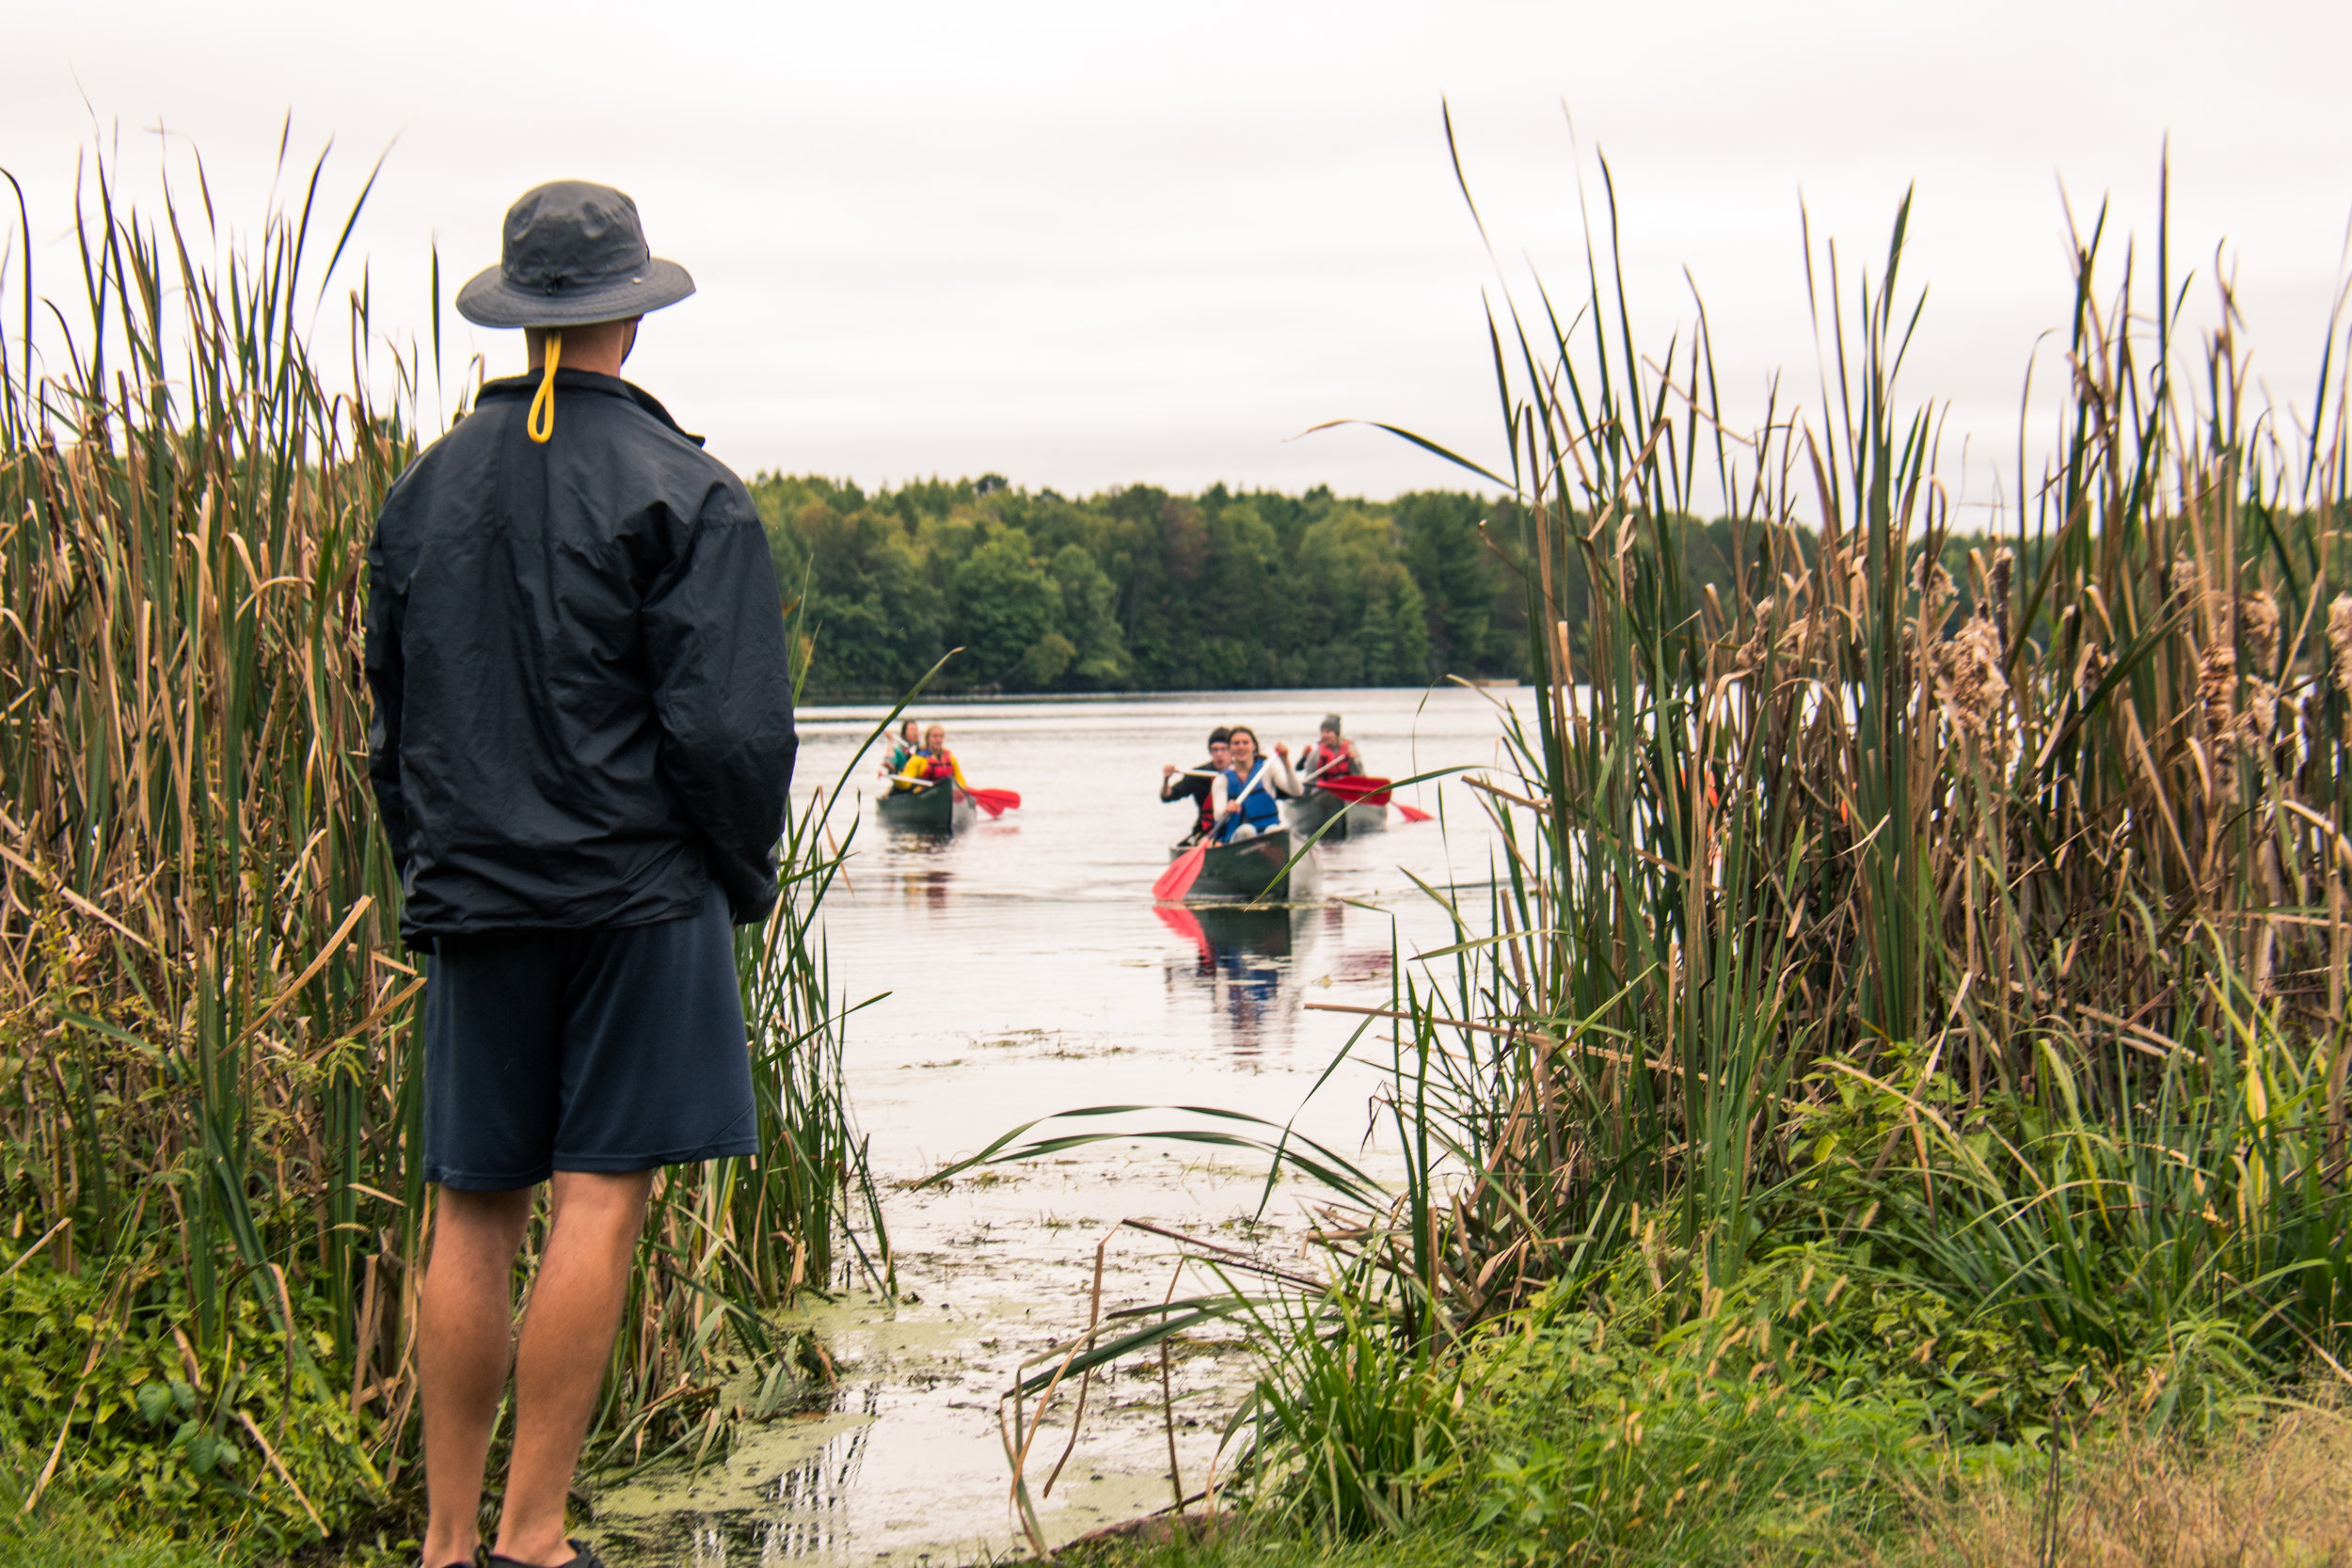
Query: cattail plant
[2017, 921]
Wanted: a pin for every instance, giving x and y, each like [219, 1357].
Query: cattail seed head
[2216, 691]
[1969, 685]
[2258, 627]
[2340, 639]
[2261, 721]
[2180, 579]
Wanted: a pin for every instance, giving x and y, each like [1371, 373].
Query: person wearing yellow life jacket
[1332, 755]
[934, 765]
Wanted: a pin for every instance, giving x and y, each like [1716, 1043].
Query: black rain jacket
[583, 700]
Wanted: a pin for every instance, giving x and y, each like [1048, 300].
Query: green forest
[1138, 590]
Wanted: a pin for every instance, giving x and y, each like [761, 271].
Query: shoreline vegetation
[1892, 1106]
[208, 1055]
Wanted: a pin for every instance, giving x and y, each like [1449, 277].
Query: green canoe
[941, 809]
[1252, 868]
[1311, 811]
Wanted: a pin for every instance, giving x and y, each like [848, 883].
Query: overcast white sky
[1088, 245]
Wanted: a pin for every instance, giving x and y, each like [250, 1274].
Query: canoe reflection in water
[928, 886]
[1244, 956]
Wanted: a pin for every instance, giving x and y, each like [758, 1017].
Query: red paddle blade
[1178, 878]
[1409, 813]
[993, 801]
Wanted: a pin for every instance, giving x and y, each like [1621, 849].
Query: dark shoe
[583, 1555]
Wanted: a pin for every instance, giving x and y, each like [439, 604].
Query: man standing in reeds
[581, 747]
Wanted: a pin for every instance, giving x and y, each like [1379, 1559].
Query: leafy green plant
[250, 1445]
[1354, 1424]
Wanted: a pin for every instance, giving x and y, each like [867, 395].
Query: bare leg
[467, 1321]
[568, 1336]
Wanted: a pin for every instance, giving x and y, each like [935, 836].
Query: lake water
[1022, 968]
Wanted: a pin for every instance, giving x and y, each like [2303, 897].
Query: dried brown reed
[2273, 1497]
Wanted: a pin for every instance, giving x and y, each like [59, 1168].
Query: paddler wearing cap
[581, 747]
[1332, 754]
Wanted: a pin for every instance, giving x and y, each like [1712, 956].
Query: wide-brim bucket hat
[574, 252]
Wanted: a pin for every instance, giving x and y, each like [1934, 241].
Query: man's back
[583, 748]
[581, 673]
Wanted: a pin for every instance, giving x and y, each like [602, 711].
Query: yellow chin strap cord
[541, 424]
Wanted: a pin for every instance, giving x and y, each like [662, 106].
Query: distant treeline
[1138, 590]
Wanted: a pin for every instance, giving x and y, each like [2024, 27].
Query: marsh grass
[1969, 907]
[209, 1096]
[2006, 939]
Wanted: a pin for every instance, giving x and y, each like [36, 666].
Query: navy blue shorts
[615, 1049]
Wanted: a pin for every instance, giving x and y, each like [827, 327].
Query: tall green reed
[2063, 849]
[208, 1042]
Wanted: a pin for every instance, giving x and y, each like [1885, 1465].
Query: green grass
[2269, 1492]
[69, 1542]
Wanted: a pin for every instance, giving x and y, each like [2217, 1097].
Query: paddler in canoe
[1245, 796]
[933, 772]
[1195, 783]
[1332, 755]
[928, 791]
[1335, 770]
[930, 763]
[910, 741]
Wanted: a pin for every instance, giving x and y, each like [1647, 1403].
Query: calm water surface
[1020, 969]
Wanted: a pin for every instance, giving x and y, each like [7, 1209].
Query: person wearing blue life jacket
[1245, 795]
